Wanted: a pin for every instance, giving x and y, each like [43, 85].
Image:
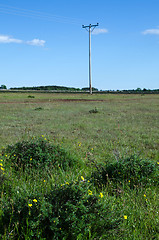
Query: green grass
[122, 126]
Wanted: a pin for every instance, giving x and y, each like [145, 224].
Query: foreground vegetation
[79, 167]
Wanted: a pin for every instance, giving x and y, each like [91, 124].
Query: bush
[66, 212]
[37, 153]
[133, 170]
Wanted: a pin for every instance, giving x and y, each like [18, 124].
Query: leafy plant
[37, 153]
[133, 170]
[67, 211]
[95, 110]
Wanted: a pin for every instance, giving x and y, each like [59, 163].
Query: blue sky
[43, 43]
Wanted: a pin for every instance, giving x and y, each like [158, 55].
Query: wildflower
[45, 139]
[92, 149]
[5, 155]
[1, 164]
[88, 181]
[82, 178]
[2, 169]
[90, 192]
[144, 195]
[157, 162]
[1, 160]
[31, 159]
[101, 195]
[34, 200]
[125, 217]
[42, 135]
[44, 181]
[129, 180]
[79, 144]
[30, 205]
[67, 183]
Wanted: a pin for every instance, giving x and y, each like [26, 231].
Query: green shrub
[95, 110]
[37, 153]
[133, 170]
[30, 96]
[66, 212]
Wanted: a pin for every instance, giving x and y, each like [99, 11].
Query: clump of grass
[65, 212]
[95, 110]
[30, 96]
[38, 109]
[37, 153]
[133, 170]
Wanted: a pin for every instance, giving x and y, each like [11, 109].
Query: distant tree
[3, 87]
[138, 89]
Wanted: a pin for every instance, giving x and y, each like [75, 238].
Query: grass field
[95, 130]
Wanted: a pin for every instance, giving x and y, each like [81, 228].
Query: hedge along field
[79, 166]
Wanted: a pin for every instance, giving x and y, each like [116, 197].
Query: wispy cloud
[99, 31]
[36, 42]
[153, 31]
[9, 39]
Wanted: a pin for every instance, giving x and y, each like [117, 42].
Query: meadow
[79, 166]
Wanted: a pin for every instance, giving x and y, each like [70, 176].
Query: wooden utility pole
[90, 29]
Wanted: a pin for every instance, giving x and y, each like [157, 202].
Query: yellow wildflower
[31, 159]
[67, 183]
[30, 205]
[125, 217]
[44, 181]
[42, 135]
[157, 162]
[82, 178]
[144, 195]
[1, 164]
[2, 169]
[101, 195]
[90, 192]
[34, 200]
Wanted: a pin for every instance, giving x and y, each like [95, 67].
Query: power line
[90, 29]
[36, 14]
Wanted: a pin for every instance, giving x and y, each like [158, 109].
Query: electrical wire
[36, 14]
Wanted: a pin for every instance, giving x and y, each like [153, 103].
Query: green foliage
[3, 87]
[30, 96]
[95, 110]
[37, 153]
[65, 212]
[133, 170]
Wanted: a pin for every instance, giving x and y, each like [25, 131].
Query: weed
[65, 212]
[36, 153]
[30, 96]
[133, 170]
[95, 110]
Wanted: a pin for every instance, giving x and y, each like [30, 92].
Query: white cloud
[154, 31]
[99, 31]
[36, 42]
[8, 39]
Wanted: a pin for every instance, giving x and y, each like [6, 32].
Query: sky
[43, 43]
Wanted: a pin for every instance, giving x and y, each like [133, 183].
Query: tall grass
[68, 172]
